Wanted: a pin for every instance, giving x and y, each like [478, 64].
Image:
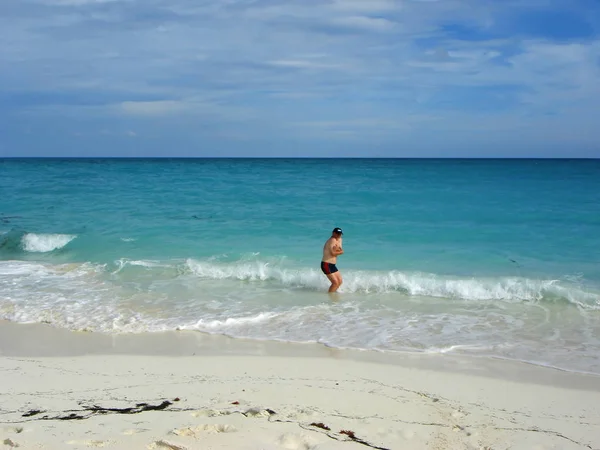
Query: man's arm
[336, 250]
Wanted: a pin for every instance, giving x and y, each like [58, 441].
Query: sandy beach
[65, 390]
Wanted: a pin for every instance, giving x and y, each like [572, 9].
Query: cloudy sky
[300, 77]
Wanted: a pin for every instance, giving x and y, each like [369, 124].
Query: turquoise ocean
[480, 257]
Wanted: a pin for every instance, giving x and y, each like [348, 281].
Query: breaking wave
[42, 243]
[18, 241]
[512, 289]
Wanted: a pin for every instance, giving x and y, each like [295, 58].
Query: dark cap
[337, 230]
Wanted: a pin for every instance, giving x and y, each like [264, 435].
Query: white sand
[262, 400]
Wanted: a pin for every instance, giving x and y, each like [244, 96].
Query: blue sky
[416, 78]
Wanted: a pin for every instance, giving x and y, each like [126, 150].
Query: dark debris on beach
[94, 409]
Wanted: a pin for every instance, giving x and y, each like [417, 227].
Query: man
[331, 250]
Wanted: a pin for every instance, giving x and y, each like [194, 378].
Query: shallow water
[489, 257]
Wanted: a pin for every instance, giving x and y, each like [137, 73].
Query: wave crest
[43, 243]
[511, 289]
[16, 241]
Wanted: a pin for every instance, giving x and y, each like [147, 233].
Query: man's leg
[335, 284]
[338, 276]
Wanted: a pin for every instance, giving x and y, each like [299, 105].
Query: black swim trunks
[328, 268]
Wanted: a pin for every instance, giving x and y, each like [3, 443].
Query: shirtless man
[331, 250]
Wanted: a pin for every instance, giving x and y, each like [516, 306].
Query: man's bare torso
[331, 244]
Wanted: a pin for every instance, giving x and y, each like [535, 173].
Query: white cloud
[153, 108]
[400, 124]
[304, 64]
[196, 106]
[367, 6]
[108, 132]
[559, 74]
[367, 23]
[76, 2]
[150, 60]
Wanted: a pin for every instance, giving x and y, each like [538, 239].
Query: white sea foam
[42, 243]
[145, 263]
[149, 265]
[454, 348]
[275, 303]
[255, 271]
[511, 289]
[73, 296]
[141, 263]
[232, 322]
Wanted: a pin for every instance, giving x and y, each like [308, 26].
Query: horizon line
[563, 158]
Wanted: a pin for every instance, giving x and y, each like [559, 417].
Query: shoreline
[189, 390]
[41, 340]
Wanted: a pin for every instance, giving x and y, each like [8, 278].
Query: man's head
[337, 232]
